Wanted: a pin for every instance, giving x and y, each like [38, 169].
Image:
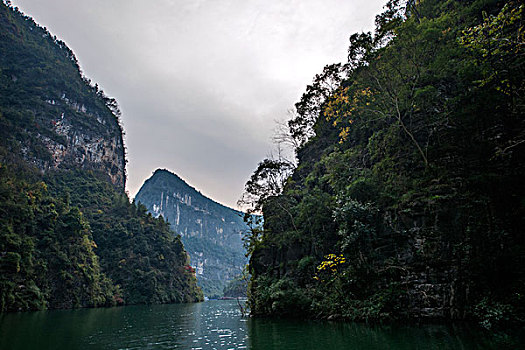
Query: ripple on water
[216, 325]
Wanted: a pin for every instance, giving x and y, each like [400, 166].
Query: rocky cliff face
[96, 147]
[210, 231]
[69, 236]
[49, 113]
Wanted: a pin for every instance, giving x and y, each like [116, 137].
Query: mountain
[69, 236]
[211, 232]
[408, 201]
[53, 116]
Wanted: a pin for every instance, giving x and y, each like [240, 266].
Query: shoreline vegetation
[404, 197]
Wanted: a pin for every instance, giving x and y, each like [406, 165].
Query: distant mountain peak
[167, 174]
[160, 172]
[211, 232]
[171, 179]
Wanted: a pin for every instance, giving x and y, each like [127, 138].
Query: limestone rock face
[211, 232]
[96, 147]
[50, 114]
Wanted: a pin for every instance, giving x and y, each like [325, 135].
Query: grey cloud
[200, 83]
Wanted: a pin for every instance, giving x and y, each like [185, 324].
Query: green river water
[219, 325]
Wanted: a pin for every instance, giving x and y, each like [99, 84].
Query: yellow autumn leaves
[330, 264]
[340, 108]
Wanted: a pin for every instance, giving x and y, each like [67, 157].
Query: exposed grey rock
[211, 232]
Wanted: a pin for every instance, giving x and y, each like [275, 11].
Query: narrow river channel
[218, 325]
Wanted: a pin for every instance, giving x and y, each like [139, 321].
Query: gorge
[396, 221]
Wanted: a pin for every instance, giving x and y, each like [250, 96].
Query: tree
[308, 109]
[266, 181]
[498, 44]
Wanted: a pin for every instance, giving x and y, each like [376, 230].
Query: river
[218, 325]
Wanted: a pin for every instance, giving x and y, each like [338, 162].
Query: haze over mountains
[211, 232]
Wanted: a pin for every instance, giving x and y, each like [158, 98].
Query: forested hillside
[69, 236]
[408, 200]
[51, 115]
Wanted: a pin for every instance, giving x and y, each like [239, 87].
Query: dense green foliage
[137, 251]
[47, 257]
[55, 256]
[410, 172]
[69, 236]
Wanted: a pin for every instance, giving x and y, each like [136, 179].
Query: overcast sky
[201, 82]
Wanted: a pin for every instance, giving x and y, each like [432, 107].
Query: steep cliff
[69, 236]
[211, 232]
[408, 201]
[49, 113]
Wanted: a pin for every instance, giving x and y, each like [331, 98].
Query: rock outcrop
[211, 232]
[49, 112]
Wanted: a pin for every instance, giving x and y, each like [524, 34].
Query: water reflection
[218, 325]
[211, 325]
[309, 335]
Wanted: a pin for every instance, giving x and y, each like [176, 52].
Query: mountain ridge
[194, 189]
[211, 232]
